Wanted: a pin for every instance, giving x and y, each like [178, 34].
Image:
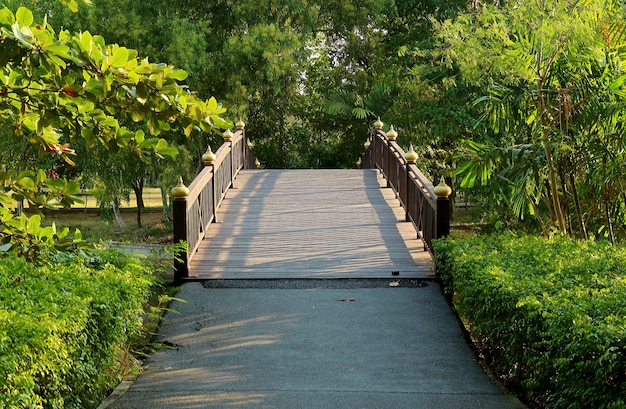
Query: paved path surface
[313, 344]
[310, 223]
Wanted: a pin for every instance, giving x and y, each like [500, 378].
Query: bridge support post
[179, 211]
[443, 191]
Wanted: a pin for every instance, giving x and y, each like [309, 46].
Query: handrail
[195, 211]
[429, 213]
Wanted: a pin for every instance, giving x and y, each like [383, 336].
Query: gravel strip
[309, 284]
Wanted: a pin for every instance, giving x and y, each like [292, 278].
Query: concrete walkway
[313, 344]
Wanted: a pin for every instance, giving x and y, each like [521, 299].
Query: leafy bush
[549, 314]
[63, 326]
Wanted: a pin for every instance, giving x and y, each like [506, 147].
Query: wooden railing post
[208, 159]
[442, 191]
[241, 127]
[228, 137]
[392, 135]
[411, 158]
[179, 212]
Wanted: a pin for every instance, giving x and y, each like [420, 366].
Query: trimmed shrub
[548, 314]
[64, 326]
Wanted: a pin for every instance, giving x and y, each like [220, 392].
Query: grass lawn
[87, 219]
[154, 230]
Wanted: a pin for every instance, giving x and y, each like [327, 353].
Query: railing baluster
[426, 206]
[194, 208]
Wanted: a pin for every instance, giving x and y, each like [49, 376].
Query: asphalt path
[313, 344]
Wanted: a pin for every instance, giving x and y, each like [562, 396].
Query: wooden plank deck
[310, 224]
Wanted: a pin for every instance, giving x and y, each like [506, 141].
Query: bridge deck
[310, 224]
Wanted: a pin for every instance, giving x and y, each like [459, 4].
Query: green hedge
[549, 314]
[64, 326]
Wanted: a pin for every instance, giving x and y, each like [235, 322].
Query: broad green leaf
[34, 223]
[221, 123]
[6, 17]
[24, 17]
[86, 41]
[140, 136]
[72, 187]
[119, 57]
[148, 144]
[179, 75]
[212, 104]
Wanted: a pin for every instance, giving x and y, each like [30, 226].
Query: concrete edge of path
[122, 388]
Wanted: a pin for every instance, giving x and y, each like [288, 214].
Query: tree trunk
[545, 138]
[609, 222]
[165, 204]
[116, 213]
[138, 189]
[579, 214]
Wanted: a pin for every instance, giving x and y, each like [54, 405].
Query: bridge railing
[195, 207]
[426, 206]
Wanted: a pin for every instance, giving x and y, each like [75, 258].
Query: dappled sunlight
[167, 378]
[223, 333]
[220, 399]
[247, 342]
[323, 224]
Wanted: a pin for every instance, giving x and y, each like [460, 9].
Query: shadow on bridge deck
[310, 224]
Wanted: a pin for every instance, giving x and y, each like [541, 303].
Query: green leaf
[221, 123]
[34, 223]
[6, 17]
[86, 41]
[24, 17]
[119, 57]
[179, 75]
[27, 183]
[212, 104]
[72, 187]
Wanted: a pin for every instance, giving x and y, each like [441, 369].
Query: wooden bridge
[240, 222]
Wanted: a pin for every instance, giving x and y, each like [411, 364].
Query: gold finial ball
[442, 191]
[411, 155]
[367, 144]
[180, 191]
[228, 135]
[378, 124]
[257, 164]
[208, 157]
[358, 162]
[240, 124]
[392, 134]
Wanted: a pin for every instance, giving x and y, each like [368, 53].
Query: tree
[58, 87]
[545, 67]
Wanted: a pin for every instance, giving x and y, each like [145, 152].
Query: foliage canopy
[57, 87]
